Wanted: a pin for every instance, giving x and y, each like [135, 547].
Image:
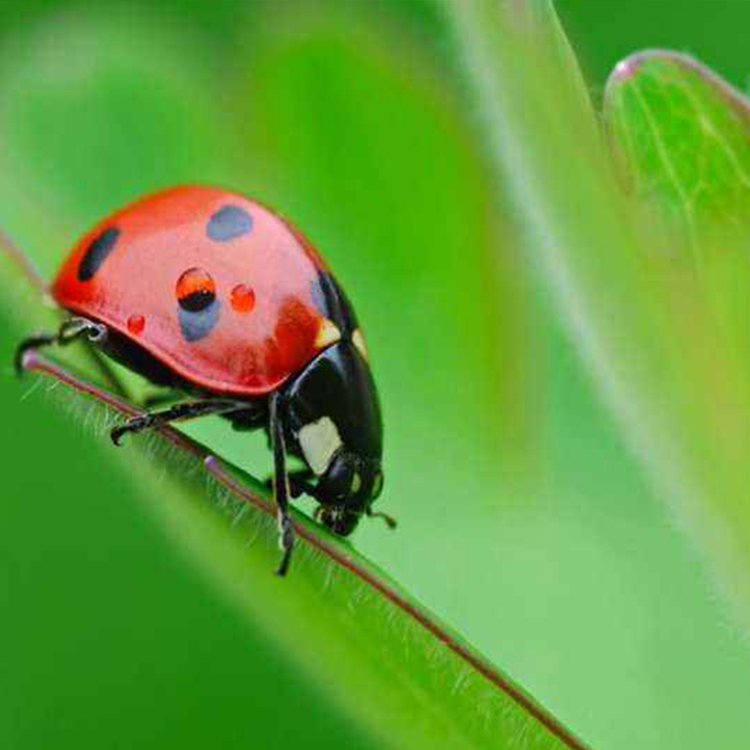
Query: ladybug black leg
[71, 329]
[30, 344]
[160, 399]
[280, 485]
[177, 413]
[299, 483]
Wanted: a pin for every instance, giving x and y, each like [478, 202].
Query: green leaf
[682, 138]
[677, 382]
[384, 659]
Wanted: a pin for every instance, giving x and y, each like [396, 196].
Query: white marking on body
[327, 334]
[356, 483]
[359, 341]
[319, 441]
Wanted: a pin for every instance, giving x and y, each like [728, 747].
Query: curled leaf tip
[630, 65]
[624, 69]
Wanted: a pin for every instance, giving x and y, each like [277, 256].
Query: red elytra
[211, 283]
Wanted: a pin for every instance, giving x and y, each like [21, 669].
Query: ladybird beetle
[208, 292]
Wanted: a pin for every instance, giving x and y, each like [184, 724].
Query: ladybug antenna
[390, 521]
[280, 486]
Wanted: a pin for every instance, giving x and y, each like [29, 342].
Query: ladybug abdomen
[215, 286]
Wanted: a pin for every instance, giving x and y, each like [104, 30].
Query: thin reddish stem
[23, 263]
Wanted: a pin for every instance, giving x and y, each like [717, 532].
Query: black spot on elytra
[196, 301]
[197, 325]
[97, 252]
[229, 222]
[332, 303]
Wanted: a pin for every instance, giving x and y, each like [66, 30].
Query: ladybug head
[347, 489]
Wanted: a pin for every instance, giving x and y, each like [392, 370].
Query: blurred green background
[524, 521]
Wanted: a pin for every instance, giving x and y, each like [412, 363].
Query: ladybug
[214, 295]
